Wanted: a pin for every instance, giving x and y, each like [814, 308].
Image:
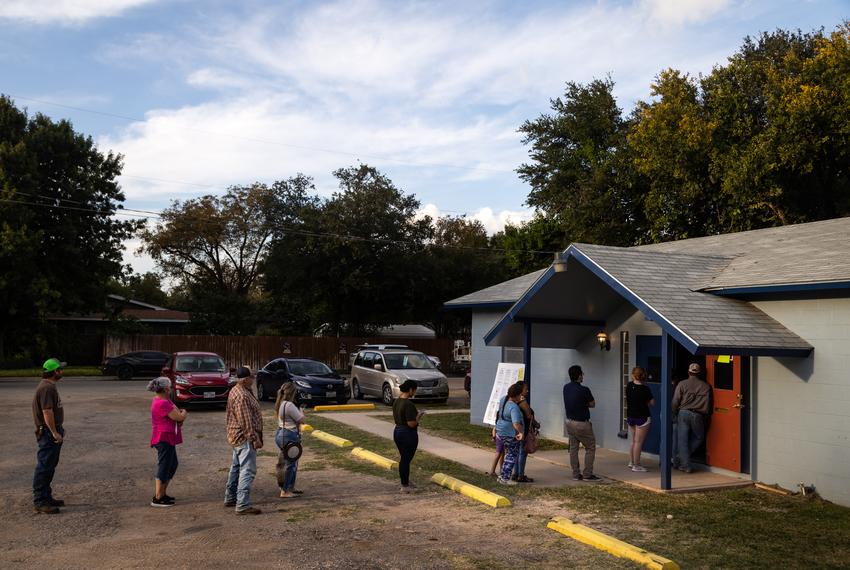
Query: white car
[379, 373]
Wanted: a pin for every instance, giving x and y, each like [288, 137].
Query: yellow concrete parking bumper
[306, 427]
[470, 491]
[344, 407]
[379, 460]
[610, 544]
[332, 439]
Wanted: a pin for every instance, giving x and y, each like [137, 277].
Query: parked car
[361, 347]
[145, 363]
[198, 378]
[435, 360]
[380, 372]
[316, 381]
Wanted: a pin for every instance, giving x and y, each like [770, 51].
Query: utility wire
[272, 142]
[143, 214]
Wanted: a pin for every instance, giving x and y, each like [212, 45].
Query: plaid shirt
[244, 419]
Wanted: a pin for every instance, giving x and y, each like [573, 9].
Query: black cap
[243, 372]
[408, 385]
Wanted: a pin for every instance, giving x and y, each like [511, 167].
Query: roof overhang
[573, 298]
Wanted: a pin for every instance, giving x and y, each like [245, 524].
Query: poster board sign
[508, 373]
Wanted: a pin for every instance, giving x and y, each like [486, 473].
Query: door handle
[739, 406]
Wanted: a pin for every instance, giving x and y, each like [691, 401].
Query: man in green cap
[48, 416]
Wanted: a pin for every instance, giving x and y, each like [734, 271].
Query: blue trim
[666, 325]
[526, 356]
[754, 351]
[483, 305]
[508, 318]
[791, 288]
[666, 412]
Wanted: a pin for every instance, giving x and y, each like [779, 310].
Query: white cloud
[492, 221]
[65, 11]
[679, 12]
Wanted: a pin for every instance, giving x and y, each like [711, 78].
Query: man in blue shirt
[577, 403]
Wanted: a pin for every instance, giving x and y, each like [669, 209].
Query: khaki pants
[581, 432]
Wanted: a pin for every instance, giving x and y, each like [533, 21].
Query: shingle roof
[817, 252]
[502, 294]
[666, 282]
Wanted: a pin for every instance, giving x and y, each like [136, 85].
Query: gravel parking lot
[344, 519]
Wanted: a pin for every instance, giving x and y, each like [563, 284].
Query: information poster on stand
[508, 373]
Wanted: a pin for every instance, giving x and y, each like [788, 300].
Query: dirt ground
[343, 520]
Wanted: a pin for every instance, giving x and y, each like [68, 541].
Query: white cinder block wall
[801, 411]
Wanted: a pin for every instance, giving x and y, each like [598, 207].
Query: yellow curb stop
[306, 427]
[471, 491]
[379, 460]
[332, 439]
[610, 544]
[343, 407]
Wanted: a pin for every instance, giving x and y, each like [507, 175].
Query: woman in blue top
[510, 427]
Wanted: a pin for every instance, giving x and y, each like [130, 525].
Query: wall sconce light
[603, 340]
[560, 264]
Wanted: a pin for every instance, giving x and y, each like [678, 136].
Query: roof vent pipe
[560, 263]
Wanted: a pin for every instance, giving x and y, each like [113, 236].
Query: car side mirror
[379, 367]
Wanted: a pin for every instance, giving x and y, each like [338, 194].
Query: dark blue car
[316, 382]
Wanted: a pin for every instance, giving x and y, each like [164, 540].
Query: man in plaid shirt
[245, 435]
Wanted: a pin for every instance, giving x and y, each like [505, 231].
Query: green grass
[36, 372]
[744, 528]
[456, 427]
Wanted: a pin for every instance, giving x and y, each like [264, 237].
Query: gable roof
[686, 286]
[816, 254]
[502, 295]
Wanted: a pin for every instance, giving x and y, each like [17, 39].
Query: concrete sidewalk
[546, 472]
[547, 468]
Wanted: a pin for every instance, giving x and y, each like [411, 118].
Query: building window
[624, 372]
[511, 354]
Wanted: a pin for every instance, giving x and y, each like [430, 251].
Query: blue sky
[214, 93]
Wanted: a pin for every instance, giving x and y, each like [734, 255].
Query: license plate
[424, 390]
[330, 394]
[209, 395]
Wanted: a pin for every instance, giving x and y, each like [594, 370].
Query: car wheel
[355, 390]
[125, 372]
[261, 392]
[387, 395]
[342, 400]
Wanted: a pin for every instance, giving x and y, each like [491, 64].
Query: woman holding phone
[406, 437]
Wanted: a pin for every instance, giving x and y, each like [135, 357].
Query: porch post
[666, 399]
[526, 356]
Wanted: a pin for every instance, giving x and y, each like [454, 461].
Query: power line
[147, 215]
[276, 143]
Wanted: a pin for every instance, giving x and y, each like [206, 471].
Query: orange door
[723, 442]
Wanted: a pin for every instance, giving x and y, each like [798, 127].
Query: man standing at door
[692, 406]
[48, 415]
[577, 403]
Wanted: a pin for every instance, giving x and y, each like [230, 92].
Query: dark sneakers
[163, 502]
[46, 509]
[55, 502]
[577, 477]
[249, 511]
[592, 477]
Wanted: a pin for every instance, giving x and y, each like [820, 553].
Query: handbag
[531, 440]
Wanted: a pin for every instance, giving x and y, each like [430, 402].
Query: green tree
[355, 266]
[576, 168]
[60, 242]
[215, 246]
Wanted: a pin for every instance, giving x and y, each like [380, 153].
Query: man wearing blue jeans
[48, 415]
[245, 436]
[692, 406]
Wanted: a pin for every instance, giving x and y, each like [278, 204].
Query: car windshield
[408, 361]
[200, 364]
[305, 367]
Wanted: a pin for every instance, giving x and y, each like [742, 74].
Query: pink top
[163, 428]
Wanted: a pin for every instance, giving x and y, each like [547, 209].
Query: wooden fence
[256, 351]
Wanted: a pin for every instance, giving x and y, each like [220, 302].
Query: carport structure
[577, 295]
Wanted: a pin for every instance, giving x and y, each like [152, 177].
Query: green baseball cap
[53, 364]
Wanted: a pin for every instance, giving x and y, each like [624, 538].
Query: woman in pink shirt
[166, 420]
